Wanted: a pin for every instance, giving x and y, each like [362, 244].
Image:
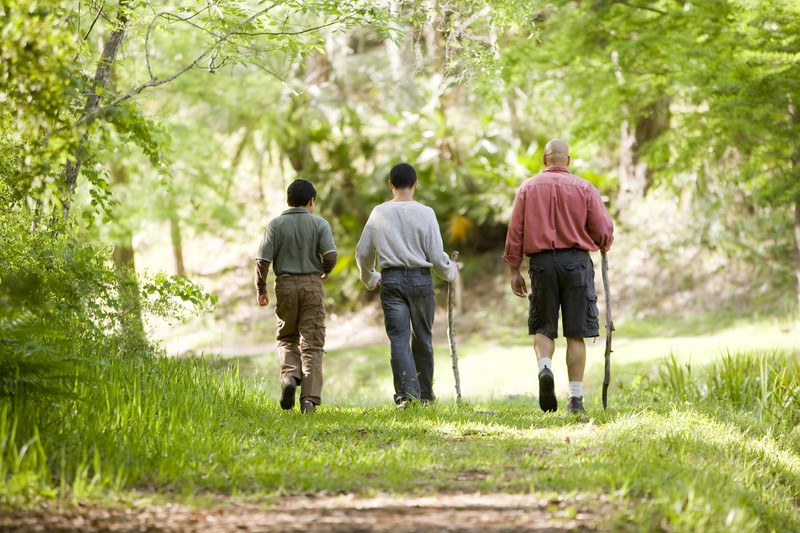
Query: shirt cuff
[513, 260]
[373, 282]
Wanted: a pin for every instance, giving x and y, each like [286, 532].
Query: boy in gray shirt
[300, 247]
[403, 235]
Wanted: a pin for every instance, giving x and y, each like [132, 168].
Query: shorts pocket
[576, 275]
[536, 269]
[592, 314]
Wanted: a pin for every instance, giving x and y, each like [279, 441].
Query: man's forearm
[329, 261]
[261, 270]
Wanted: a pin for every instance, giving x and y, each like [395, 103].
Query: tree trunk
[177, 243]
[101, 77]
[130, 307]
[795, 159]
[635, 176]
[797, 244]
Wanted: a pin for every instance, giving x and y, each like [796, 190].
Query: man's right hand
[518, 284]
[263, 299]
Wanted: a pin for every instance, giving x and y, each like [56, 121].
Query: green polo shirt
[295, 242]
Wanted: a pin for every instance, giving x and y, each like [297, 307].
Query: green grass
[712, 448]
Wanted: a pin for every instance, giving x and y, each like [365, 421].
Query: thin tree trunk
[636, 176]
[129, 294]
[131, 308]
[240, 148]
[797, 244]
[101, 77]
[177, 243]
[795, 159]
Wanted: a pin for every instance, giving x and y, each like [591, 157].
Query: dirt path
[451, 513]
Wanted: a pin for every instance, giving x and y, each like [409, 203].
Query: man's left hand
[263, 299]
[518, 285]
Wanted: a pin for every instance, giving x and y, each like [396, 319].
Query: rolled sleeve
[598, 222]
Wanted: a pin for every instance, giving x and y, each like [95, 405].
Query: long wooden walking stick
[451, 336]
[609, 330]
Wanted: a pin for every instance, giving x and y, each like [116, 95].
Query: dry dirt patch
[451, 513]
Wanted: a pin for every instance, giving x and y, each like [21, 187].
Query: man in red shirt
[558, 218]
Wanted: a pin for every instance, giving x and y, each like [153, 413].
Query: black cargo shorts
[563, 280]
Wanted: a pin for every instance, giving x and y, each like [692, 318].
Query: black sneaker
[547, 394]
[288, 387]
[307, 406]
[402, 403]
[575, 405]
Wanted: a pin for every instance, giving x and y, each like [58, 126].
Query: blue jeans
[408, 309]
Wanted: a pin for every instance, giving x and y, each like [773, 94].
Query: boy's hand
[263, 299]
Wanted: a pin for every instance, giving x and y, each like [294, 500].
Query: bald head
[556, 153]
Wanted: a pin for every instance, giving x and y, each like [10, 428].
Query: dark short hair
[300, 193]
[403, 176]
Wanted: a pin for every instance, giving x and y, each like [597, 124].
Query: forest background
[144, 145]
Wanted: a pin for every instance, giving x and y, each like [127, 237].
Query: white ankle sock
[575, 389]
[545, 362]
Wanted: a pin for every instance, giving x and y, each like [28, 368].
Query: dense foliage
[209, 111]
[64, 305]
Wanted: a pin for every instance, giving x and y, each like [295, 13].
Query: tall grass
[129, 422]
[766, 383]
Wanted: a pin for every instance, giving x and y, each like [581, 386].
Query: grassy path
[187, 445]
[657, 466]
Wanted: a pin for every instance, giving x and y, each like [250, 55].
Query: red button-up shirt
[557, 209]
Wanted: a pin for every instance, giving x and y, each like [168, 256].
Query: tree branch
[91, 27]
[101, 77]
[155, 82]
[298, 32]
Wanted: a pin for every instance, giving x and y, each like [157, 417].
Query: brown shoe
[288, 387]
[575, 405]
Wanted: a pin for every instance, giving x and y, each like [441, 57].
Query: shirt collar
[295, 210]
[556, 168]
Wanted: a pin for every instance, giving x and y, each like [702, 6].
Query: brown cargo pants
[301, 331]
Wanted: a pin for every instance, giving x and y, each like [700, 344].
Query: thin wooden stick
[609, 330]
[451, 336]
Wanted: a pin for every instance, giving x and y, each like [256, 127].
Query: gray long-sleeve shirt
[402, 234]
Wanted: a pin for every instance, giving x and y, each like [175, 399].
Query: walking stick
[451, 336]
[609, 329]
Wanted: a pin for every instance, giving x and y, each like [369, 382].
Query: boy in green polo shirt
[300, 247]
